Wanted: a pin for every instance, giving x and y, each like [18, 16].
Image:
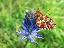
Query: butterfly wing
[44, 22]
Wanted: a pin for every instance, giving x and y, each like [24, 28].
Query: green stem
[25, 44]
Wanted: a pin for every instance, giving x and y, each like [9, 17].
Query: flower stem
[25, 44]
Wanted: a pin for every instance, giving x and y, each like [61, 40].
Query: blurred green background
[11, 16]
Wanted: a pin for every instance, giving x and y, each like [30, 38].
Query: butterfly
[43, 21]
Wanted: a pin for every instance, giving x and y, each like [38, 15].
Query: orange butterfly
[44, 22]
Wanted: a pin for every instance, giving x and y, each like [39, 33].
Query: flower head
[30, 29]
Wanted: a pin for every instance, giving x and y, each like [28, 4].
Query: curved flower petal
[39, 36]
[20, 32]
[31, 38]
[35, 31]
[23, 33]
[23, 38]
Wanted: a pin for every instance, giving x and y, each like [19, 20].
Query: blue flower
[30, 29]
